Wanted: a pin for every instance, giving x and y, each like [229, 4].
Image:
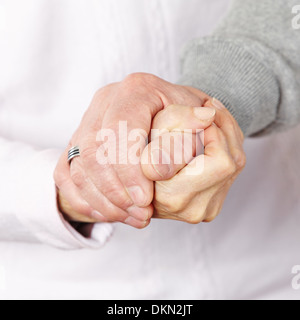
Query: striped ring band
[73, 153]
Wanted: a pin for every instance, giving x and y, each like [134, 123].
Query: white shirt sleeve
[28, 210]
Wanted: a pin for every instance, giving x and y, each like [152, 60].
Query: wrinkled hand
[194, 195]
[90, 190]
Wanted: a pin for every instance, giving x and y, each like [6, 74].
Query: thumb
[175, 141]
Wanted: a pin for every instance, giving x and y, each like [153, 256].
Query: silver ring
[73, 153]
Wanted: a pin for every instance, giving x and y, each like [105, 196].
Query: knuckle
[98, 93]
[173, 204]
[115, 214]
[171, 108]
[116, 193]
[58, 177]
[211, 217]
[104, 90]
[241, 133]
[214, 213]
[88, 155]
[172, 112]
[138, 79]
[82, 208]
[230, 125]
[218, 134]
[77, 179]
[87, 152]
[240, 159]
[142, 226]
[233, 126]
[194, 218]
[227, 166]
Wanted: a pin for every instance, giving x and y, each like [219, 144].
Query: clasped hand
[142, 180]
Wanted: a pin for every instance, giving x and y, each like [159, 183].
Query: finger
[70, 214]
[107, 180]
[182, 118]
[81, 211]
[225, 121]
[234, 135]
[69, 193]
[79, 207]
[140, 216]
[131, 124]
[218, 105]
[216, 203]
[137, 223]
[103, 176]
[205, 170]
[216, 163]
[118, 175]
[77, 217]
[98, 201]
[168, 153]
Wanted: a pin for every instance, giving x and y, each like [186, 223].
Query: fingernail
[161, 162]
[141, 214]
[137, 195]
[135, 223]
[217, 104]
[204, 113]
[98, 216]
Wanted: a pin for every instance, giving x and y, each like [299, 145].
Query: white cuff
[38, 212]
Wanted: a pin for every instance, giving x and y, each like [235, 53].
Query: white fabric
[54, 55]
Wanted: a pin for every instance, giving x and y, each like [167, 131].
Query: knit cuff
[230, 73]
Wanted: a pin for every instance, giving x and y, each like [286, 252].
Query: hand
[92, 191]
[194, 196]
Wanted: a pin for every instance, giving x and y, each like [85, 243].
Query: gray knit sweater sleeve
[252, 64]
